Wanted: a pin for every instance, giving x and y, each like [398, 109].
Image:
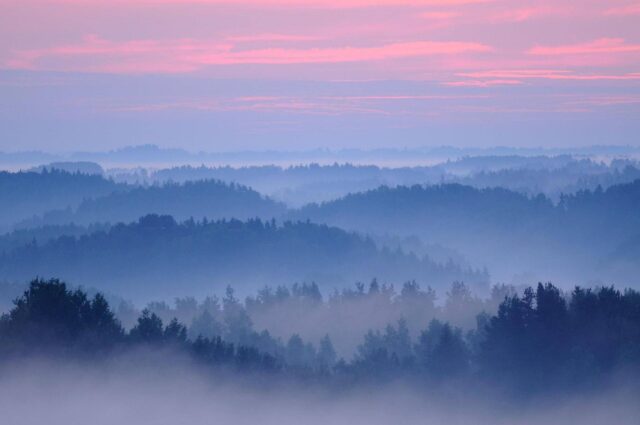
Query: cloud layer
[494, 47]
[409, 36]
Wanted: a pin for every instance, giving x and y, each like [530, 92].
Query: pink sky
[475, 44]
[386, 39]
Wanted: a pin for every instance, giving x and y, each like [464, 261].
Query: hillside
[27, 194]
[207, 198]
[507, 231]
[160, 256]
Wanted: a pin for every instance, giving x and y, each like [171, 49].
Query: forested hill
[160, 256]
[212, 199]
[26, 194]
[497, 227]
[451, 214]
[302, 184]
[423, 204]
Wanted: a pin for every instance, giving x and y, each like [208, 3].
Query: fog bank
[136, 389]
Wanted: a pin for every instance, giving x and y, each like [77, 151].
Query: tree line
[538, 340]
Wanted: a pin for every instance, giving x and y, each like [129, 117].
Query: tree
[295, 355]
[175, 333]
[205, 325]
[327, 356]
[49, 316]
[149, 329]
[397, 341]
[237, 322]
[442, 352]
[103, 329]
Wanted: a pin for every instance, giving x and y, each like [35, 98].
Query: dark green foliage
[327, 356]
[385, 354]
[49, 315]
[298, 354]
[205, 325]
[206, 198]
[442, 352]
[156, 252]
[26, 194]
[584, 235]
[539, 341]
[300, 184]
[51, 319]
[148, 330]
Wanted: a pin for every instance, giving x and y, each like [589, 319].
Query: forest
[540, 340]
[488, 225]
[584, 236]
[310, 289]
[320, 212]
[158, 254]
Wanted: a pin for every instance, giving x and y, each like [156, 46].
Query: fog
[345, 316]
[511, 216]
[164, 389]
[194, 295]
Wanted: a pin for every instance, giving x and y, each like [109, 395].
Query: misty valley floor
[138, 391]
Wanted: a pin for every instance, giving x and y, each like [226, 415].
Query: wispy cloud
[96, 54]
[273, 37]
[527, 13]
[483, 83]
[337, 4]
[347, 39]
[602, 45]
[342, 54]
[439, 15]
[385, 105]
[547, 74]
[606, 101]
[628, 10]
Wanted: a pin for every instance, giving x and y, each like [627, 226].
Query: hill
[507, 231]
[27, 194]
[156, 255]
[207, 198]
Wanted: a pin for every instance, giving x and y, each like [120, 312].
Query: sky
[221, 75]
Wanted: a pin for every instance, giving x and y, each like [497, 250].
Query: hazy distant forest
[508, 275]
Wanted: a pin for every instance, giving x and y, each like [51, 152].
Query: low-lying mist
[146, 388]
[311, 313]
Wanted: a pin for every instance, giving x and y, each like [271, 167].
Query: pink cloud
[338, 4]
[547, 74]
[482, 83]
[603, 45]
[439, 15]
[629, 10]
[285, 104]
[341, 54]
[273, 37]
[420, 39]
[607, 101]
[307, 105]
[402, 97]
[184, 55]
[527, 13]
[322, 106]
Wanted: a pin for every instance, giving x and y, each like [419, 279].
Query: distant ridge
[152, 154]
[168, 258]
[211, 199]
